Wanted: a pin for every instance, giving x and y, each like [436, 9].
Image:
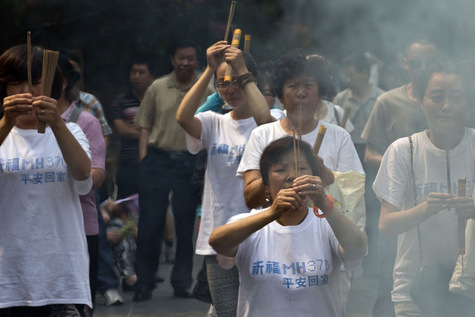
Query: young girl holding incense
[289, 255]
[43, 249]
[417, 183]
[224, 137]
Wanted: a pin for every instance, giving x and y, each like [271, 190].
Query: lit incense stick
[247, 43]
[28, 62]
[230, 18]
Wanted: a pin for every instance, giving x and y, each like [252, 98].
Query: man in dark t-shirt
[124, 108]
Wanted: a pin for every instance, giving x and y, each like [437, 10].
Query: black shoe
[158, 279]
[127, 288]
[142, 296]
[183, 293]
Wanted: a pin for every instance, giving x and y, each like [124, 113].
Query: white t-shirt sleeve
[227, 262]
[81, 187]
[208, 121]
[393, 179]
[252, 153]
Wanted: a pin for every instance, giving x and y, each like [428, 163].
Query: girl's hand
[47, 110]
[214, 54]
[464, 206]
[234, 57]
[438, 201]
[17, 105]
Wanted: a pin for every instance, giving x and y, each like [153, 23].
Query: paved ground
[163, 304]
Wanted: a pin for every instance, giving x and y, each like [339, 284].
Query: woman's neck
[240, 113]
[294, 218]
[289, 124]
[445, 139]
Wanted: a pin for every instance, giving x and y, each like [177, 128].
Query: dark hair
[143, 60]
[263, 80]
[274, 152]
[358, 61]
[13, 67]
[443, 67]
[296, 64]
[250, 64]
[184, 43]
[71, 75]
[71, 55]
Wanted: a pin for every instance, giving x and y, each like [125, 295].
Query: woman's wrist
[327, 209]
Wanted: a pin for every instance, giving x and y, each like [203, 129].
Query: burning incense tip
[247, 43]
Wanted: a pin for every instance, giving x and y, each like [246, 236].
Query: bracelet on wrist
[245, 79]
[326, 211]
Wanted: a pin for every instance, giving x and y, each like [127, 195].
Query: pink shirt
[93, 131]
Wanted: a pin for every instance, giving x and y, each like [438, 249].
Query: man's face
[355, 79]
[420, 58]
[184, 62]
[140, 77]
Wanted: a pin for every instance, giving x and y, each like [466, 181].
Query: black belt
[170, 154]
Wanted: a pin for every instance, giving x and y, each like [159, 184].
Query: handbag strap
[75, 114]
[414, 195]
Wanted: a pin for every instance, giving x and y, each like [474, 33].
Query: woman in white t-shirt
[224, 137]
[417, 186]
[289, 255]
[44, 259]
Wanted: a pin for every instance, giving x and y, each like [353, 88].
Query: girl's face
[230, 92]
[444, 101]
[282, 174]
[21, 87]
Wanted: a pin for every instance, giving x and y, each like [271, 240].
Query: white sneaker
[112, 297]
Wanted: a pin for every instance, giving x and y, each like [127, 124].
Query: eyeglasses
[416, 63]
[225, 84]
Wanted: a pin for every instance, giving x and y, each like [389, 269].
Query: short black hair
[445, 67]
[358, 61]
[274, 152]
[184, 43]
[296, 64]
[143, 60]
[13, 67]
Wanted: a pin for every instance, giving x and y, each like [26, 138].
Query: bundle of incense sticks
[230, 18]
[319, 140]
[247, 43]
[234, 43]
[461, 187]
[50, 61]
